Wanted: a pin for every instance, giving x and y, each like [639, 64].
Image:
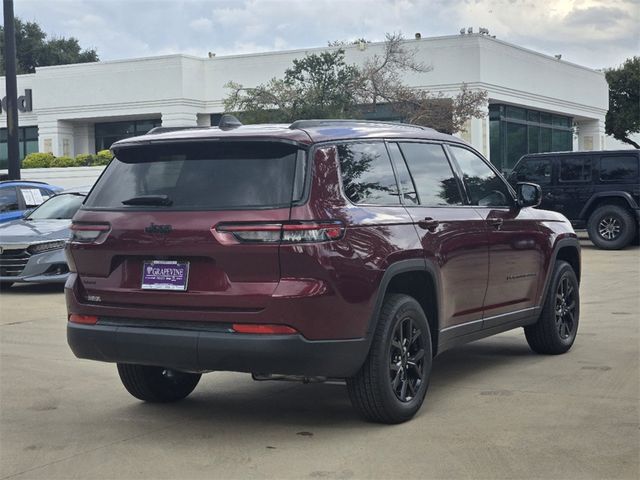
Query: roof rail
[301, 124]
[156, 130]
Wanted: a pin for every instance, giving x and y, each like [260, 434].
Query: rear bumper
[201, 350]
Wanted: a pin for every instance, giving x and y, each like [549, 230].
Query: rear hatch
[152, 231]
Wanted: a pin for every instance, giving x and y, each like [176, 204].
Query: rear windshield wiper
[160, 200]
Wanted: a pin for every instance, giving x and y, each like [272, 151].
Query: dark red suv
[321, 249]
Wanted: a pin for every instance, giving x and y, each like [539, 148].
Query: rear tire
[611, 227]
[157, 384]
[556, 329]
[391, 385]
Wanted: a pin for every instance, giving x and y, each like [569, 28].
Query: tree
[316, 86]
[324, 86]
[383, 83]
[623, 117]
[33, 49]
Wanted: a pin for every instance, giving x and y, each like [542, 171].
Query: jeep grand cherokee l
[323, 249]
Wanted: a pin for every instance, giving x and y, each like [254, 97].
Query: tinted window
[408, 189]
[201, 175]
[432, 174]
[484, 187]
[367, 176]
[620, 168]
[575, 169]
[60, 207]
[536, 170]
[8, 199]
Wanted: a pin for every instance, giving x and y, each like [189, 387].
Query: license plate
[165, 275]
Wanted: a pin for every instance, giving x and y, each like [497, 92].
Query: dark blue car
[17, 196]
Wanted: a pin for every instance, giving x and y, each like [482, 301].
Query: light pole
[12, 90]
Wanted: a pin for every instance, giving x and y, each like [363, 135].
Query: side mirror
[529, 194]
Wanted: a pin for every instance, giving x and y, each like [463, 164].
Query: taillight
[84, 319]
[261, 329]
[290, 232]
[88, 232]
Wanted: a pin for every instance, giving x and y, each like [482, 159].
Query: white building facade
[536, 102]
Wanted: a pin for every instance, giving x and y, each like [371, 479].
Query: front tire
[556, 329]
[5, 285]
[611, 227]
[391, 385]
[157, 384]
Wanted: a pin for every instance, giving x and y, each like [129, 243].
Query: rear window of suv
[621, 169]
[202, 176]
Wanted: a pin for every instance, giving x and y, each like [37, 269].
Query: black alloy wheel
[391, 385]
[565, 308]
[556, 329]
[407, 365]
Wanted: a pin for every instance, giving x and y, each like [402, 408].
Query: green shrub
[48, 160]
[103, 157]
[63, 162]
[84, 159]
[38, 160]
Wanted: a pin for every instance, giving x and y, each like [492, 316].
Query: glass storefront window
[516, 113]
[534, 138]
[108, 133]
[514, 132]
[28, 143]
[516, 144]
[545, 141]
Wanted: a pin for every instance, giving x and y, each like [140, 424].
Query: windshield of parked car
[63, 206]
[201, 176]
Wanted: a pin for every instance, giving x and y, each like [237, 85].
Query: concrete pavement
[494, 409]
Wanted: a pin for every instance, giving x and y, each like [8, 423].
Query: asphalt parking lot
[494, 409]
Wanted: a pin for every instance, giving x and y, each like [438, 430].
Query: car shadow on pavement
[324, 404]
[29, 288]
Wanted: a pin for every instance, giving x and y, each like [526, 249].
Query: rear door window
[619, 169]
[432, 174]
[367, 175]
[202, 176]
[575, 169]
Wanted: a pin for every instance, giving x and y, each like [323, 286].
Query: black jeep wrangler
[598, 190]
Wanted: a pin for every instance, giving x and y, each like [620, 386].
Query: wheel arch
[418, 279]
[620, 198]
[568, 250]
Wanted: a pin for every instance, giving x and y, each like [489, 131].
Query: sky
[593, 33]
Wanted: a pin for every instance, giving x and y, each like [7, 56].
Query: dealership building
[536, 102]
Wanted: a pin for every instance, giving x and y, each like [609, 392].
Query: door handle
[496, 222]
[428, 223]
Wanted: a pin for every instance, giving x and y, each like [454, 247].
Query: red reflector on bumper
[263, 329]
[86, 319]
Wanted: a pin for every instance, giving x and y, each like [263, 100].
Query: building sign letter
[25, 102]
